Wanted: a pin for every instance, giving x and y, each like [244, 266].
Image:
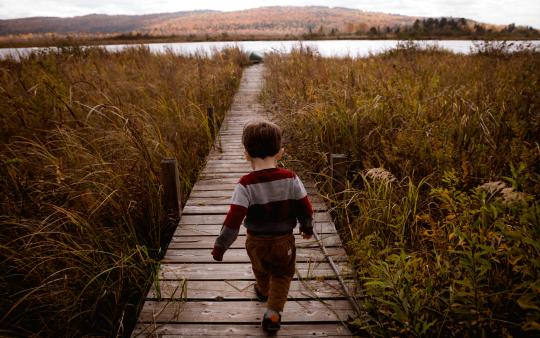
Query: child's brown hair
[261, 138]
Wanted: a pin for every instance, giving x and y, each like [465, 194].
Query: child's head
[261, 139]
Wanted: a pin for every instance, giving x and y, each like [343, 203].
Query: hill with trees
[288, 22]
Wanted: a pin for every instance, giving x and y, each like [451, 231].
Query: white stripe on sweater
[266, 192]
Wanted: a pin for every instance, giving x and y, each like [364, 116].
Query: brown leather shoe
[271, 321]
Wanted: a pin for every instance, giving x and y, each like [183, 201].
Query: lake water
[354, 48]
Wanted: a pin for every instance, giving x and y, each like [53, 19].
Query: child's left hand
[305, 236]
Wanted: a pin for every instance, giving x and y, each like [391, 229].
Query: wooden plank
[223, 156]
[229, 141]
[194, 199]
[237, 154]
[225, 200]
[214, 187]
[241, 290]
[227, 189]
[209, 209]
[215, 229]
[240, 255]
[227, 167]
[238, 330]
[218, 180]
[209, 200]
[219, 175]
[242, 271]
[218, 219]
[228, 145]
[242, 312]
[206, 178]
[207, 242]
[212, 192]
[221, 150]
[232, 161]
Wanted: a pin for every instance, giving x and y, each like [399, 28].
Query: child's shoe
[259, 294]
[271, 321]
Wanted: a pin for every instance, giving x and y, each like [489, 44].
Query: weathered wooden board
[212, 192]
[227, 168]
[218, 200]
[224, 148]
[242, 312]
[229, 183]
[202, 242]
[240, 255]
[214, 187]
[216, 155]
[239, 330]
[218, 219]
[242, 271]
[242, 161]
[214, 229]
[208, 209]
[242, 290]
[226, 200]
[218, 180]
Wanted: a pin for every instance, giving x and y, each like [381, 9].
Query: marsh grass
[83, 132]
[437, 252]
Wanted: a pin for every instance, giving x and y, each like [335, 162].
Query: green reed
[444, 239]
[83, 132]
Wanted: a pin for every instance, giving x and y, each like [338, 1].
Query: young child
[271, 200]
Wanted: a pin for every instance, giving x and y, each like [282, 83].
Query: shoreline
[67, 42]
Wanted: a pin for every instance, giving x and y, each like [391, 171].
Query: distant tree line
[426, 28]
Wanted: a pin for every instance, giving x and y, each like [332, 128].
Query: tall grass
[82, 135]
[441, 212]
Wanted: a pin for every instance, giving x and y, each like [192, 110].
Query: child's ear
[280, 153]
[246, 156]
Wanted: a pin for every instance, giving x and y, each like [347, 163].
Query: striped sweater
[271, 201]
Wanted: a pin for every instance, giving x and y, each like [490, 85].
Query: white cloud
[525, 12]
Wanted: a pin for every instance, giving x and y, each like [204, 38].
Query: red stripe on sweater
[266, 175]
[235, 216]
[304, 208]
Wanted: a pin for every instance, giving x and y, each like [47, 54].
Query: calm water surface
[354, 48]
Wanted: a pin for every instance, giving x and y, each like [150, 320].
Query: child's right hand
[217, 253]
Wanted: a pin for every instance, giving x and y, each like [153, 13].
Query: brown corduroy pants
[273, 262]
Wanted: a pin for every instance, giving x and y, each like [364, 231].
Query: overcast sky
[524, 12]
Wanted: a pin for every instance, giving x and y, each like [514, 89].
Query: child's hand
[217, 253]
[305, 236]
[306, 232]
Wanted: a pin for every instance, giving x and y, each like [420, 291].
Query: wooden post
[172, 199]
[338, 171]
[211, 120]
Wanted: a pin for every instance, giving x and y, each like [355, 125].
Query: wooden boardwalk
[196, 296]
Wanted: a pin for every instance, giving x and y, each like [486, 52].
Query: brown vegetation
[82, 135]
[441, 211]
